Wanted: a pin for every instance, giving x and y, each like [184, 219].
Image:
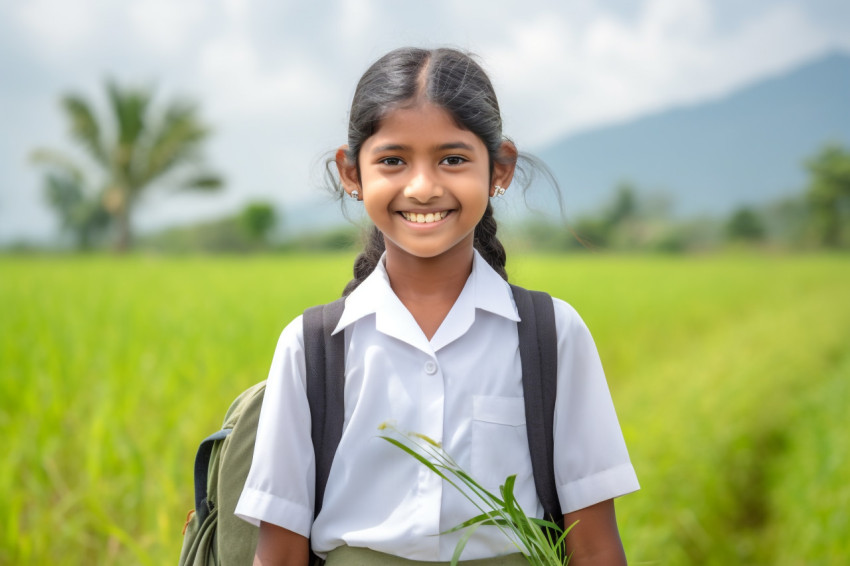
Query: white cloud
[685, 19]
[783, 37]
[247, 85]
[352, 17]
[165, 25]
[560, 74]
[54, 27]
[237, 11]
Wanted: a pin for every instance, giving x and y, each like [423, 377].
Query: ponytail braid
[488, 245]
[367, 260]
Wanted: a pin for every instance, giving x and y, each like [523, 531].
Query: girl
[430, 344]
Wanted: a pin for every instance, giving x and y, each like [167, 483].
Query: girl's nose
[423, 187]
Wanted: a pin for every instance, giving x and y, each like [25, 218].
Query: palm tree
[135, 148]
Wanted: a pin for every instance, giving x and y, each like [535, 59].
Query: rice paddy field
[731, 376]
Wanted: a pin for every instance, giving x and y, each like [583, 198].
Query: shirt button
[430, 368]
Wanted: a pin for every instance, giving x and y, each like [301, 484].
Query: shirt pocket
[499, 441]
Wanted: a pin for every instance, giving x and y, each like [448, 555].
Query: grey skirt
[355, 556]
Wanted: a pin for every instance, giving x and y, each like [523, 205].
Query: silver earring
[354, 194]
[499, 191]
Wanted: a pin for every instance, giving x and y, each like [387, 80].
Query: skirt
[356, 556]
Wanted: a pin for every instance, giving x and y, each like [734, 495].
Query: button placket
[432, 404]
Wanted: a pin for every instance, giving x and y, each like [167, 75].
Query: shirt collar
[491, 292]
[484, 289]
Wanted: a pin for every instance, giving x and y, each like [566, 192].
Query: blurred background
[163, 214]
[676, 112]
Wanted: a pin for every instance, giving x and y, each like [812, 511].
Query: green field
[731, 376]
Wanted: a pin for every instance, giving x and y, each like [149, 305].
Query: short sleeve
[591, 460]
[280, 486]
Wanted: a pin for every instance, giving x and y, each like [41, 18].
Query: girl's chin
[431, 250]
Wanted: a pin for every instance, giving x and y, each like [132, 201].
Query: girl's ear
[347, 171]
[504, 166]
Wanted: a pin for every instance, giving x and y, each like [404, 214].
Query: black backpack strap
[325, 364]
[202, 470]
[538, 349]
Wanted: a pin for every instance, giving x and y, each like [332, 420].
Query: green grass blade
[461, 544]
[493, 518]
[427, 463]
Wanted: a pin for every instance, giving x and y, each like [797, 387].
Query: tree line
[638, 220]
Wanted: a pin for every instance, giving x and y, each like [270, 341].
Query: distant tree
[257, 220]
[828, 195]
[80, 212]
[629, 220]
[622, 207]
[592, 233]
[135, 147]
[625, 221]
[745, 225]
[787, 220]
[333, 239]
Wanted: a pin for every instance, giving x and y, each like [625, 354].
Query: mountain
[745, 148]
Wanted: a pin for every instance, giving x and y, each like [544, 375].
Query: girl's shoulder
[565, 314]
[564, 310]
[569, 325]
[289, 350]
[292, 335]
[570, 328]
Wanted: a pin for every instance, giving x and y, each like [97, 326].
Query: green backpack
[227, 454]
[214, 536]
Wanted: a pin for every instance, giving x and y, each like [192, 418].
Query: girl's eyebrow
[389, 147]
[441, 147]
[455, 145]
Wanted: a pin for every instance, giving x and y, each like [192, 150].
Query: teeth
[424, 218]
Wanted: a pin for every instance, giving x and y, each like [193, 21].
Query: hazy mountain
[744, 148]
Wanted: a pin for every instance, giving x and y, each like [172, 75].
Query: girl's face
[425, 182]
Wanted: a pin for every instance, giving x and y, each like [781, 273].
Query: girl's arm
[281, 547]
[595, 539]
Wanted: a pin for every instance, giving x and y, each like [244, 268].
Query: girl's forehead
[419, 119]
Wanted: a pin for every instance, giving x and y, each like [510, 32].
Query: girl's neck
[428, 287]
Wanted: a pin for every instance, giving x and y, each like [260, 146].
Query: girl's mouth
[426, 218]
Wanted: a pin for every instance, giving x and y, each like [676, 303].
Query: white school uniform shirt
[463, 388]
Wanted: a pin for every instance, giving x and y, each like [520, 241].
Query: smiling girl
[430, 328]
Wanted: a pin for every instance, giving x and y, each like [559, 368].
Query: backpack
[214, 536]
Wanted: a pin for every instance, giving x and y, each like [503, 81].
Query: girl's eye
[454, 160]
[391, 161]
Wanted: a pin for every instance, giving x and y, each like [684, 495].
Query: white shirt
[462, 388]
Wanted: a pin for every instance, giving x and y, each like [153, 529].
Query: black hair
[452, 80]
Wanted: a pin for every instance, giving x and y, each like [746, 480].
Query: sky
[274, 78]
